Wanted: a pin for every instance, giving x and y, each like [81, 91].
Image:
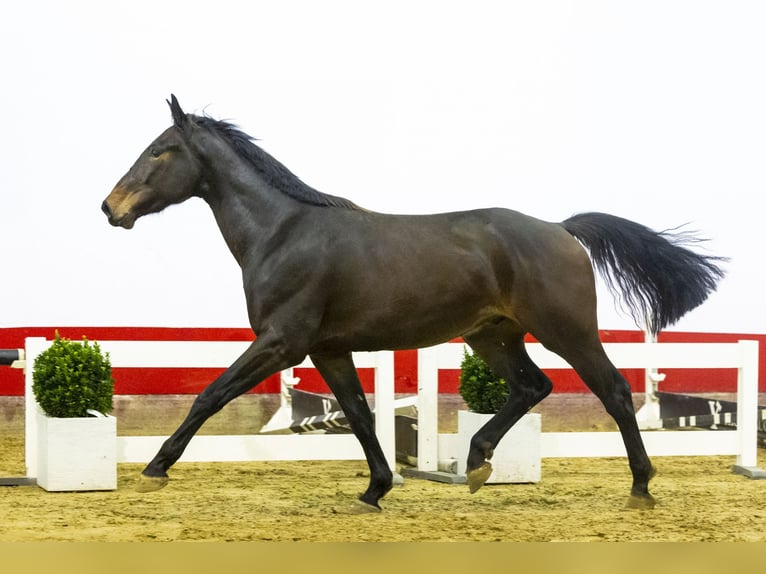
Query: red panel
[175, 381]
[312, 381]
[564, 381]
[138, 381]
[192, 381]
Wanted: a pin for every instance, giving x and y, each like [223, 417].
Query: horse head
[166, 173]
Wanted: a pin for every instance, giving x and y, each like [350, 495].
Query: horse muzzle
[124, 220]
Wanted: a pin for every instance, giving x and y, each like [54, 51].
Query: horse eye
[155, 152]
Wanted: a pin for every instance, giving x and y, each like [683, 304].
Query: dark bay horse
[324, 277]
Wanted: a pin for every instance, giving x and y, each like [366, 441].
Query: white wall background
[653, 110]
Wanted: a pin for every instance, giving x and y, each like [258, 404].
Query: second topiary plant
[481, 389]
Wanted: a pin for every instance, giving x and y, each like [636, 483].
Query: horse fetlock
[377, 491]
[641, 481]
[483, 448]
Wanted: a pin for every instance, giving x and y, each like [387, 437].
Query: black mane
[275, 173]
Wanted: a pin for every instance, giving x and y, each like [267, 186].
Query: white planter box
[77, 453]
[517, 456]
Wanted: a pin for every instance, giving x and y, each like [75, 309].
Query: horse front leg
[262, 359]
[340, 375]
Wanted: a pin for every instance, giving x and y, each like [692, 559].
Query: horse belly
[406, 319]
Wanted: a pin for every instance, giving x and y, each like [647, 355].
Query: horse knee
[204, 405]
[543, 388]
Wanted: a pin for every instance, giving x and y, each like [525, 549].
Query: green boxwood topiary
[481, 389]
[70, 378]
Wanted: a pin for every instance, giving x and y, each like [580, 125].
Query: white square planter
[516, 458]
[77, 453]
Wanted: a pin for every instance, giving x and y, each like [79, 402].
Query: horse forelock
[275, 173]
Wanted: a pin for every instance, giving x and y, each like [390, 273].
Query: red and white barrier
[741, 442]
[432, 446]
[221, 448]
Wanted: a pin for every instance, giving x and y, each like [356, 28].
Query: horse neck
[249, 211]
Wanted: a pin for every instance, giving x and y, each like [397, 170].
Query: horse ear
[179, 117]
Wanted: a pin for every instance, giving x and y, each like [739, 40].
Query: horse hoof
[358, 507]
[645, 502]
[478, 476]
[150, 483]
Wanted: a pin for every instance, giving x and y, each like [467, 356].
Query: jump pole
[15, 359]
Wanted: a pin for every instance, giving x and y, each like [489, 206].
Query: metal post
[648, 416]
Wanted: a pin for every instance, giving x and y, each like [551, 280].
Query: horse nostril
[105, 209]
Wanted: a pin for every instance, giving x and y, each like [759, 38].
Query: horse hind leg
[502, 348]
[606, 382]
[564, 320]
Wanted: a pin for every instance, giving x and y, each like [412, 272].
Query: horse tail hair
[655, 274]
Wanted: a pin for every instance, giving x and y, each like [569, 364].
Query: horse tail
[655, 274]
